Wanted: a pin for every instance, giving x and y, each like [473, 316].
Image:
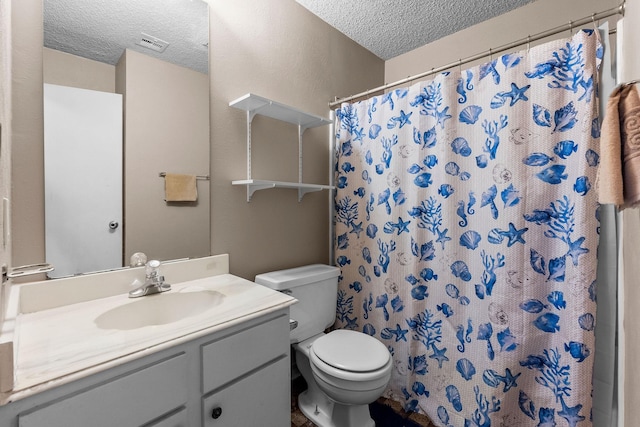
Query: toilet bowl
[344, 371]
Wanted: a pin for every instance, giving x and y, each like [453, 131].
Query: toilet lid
[351, 351]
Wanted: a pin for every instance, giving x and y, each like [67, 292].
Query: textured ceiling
[102, 29]
[389, 28]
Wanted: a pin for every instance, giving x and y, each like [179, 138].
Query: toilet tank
[316, 289]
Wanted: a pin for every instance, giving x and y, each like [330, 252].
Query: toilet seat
[368, 360]
[349, 379]
[350, 356]
[351, 351]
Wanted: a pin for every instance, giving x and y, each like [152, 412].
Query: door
[83, 179]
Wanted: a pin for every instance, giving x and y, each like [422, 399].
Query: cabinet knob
[215, 414]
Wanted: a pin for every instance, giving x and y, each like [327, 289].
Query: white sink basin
[158, 309]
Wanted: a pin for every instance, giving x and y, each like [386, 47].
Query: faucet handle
[138, 260]
[152, 267]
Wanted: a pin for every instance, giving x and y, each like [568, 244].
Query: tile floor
[385, 412]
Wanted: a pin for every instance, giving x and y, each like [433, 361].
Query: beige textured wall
[279, 50]
[166, 130]
[5, 137]
[530, 19]
[60, 68]
[27, 139]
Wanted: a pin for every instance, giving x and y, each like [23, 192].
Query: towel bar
[205, 177]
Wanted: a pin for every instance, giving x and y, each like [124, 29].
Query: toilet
[344, 370]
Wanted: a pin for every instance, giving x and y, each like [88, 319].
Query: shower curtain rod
[619, 10]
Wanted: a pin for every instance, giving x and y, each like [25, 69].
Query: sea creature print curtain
[467, 232]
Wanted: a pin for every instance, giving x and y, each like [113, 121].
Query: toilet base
[352, 416]
[331, 414]
[317, 406]
[319, 414]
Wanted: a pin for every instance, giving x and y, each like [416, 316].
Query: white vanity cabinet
[238, 376]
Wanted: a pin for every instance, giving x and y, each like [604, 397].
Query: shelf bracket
[301, 130]
[252, 188]
[303, 191]
[250, 115]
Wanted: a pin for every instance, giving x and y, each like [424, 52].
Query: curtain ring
[528, 43]
[570, 28]
[460, 65]
[490, 54]
[595, 27]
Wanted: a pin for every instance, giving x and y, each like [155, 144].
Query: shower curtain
[466, 228]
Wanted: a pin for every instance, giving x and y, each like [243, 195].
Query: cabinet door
[131, 400]
[260, 399]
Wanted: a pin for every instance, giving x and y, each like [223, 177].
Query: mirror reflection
[126, 102]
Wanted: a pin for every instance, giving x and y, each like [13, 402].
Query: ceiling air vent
[152, 43]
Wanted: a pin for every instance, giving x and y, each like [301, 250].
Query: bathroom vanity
[223, 361]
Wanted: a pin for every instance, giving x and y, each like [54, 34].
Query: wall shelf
[254, 185]
[254, 104]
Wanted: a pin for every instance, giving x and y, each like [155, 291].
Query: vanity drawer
[269, 395]
[131, 400]
[230, 357]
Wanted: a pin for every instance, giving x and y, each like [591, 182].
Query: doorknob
[113, 225]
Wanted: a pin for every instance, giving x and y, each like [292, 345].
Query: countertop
[53, 346]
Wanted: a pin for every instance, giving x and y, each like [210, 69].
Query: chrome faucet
[153, 282]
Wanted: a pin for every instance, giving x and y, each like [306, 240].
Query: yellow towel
[180, 188]
[619, 172]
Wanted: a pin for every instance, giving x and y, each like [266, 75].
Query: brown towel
[180, 188]
[619, 173]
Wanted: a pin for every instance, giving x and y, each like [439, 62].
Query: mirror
[154, 55]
